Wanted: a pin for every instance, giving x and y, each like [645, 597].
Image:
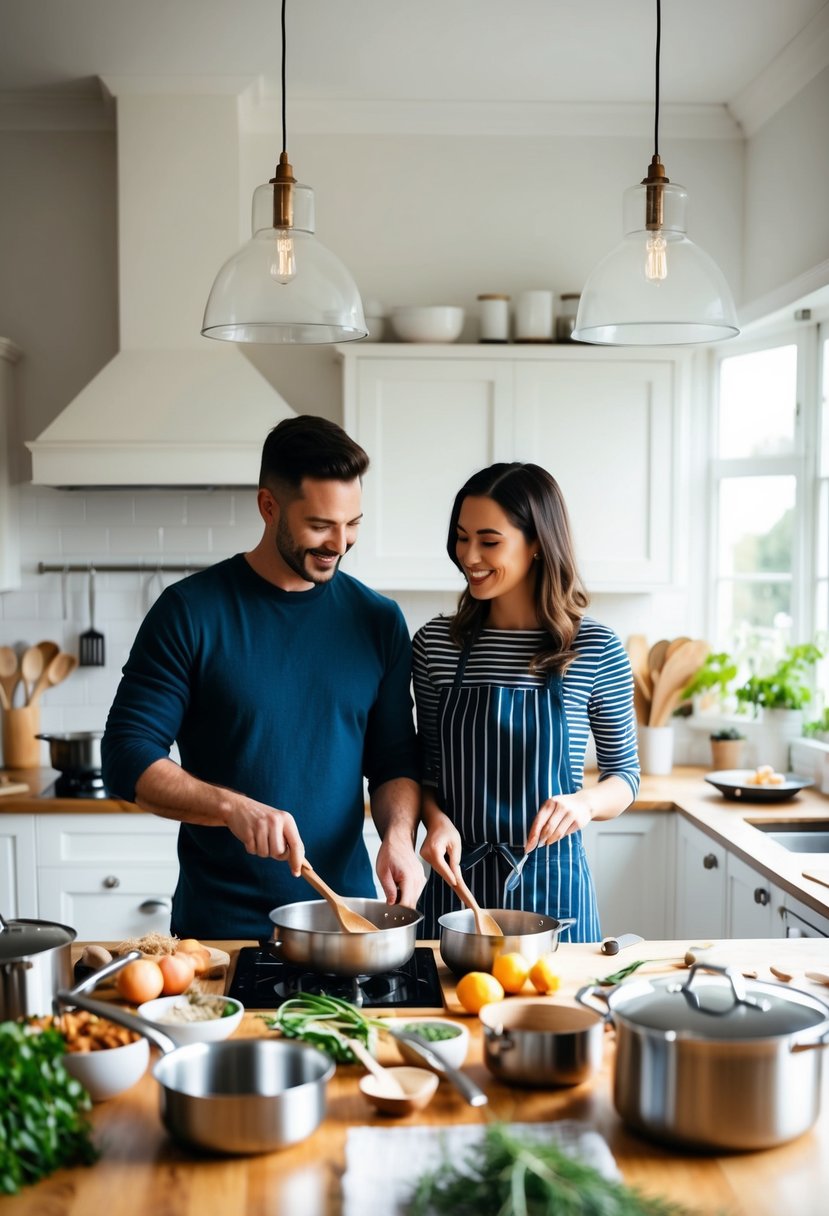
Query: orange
[543, 976]
[478, 988]
[511, 971]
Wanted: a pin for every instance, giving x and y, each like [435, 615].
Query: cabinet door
[108, 904]
[630, 858]
[753, 903]
[606, 433]
[427, 425]
[18, 882]
[700, 884]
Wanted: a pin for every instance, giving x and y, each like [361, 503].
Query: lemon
[478, 988]
[511, 971]
[543, 976]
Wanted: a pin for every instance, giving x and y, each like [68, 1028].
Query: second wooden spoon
[349, 920]
[484, 923]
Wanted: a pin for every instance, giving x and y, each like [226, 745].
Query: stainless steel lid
[716, 1006]
[19, 939]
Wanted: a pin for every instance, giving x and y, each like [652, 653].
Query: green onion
[323, 1021]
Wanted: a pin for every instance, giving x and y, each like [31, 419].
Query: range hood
[171, 408]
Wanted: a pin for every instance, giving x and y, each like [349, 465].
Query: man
[284, 682]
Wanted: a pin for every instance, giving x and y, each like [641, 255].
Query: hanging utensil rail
[120, 568]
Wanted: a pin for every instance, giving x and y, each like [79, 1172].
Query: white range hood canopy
[171, 408]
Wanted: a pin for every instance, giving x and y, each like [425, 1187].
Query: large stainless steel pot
[527, 933]
[528, 1042]
[716, 1061]
[35, 961]
[309, 935]
[235, 1096]
[77, 751]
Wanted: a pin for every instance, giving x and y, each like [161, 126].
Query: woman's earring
[536, 557]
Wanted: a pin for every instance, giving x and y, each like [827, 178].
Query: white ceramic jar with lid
[493, 313]
[534, 316]
[566, 316]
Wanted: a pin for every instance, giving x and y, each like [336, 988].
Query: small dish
[191, 1032]
[428, 323]
[452, 1051]
[109, 1071]
[419, 1084]
[736, 785]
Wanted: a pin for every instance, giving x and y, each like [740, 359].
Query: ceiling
[374, 50]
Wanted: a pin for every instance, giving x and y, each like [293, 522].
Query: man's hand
[442, 846]
[398, 868]
[265, 831]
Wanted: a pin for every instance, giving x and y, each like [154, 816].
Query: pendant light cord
[285, 125]
[656, 89]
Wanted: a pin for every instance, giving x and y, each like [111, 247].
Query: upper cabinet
[604, 422]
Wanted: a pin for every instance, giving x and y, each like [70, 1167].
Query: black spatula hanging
[91, 642]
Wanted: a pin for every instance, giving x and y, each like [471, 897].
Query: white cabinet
[18, 876]
[9, 523]
[632, 863]
[799, 920]
[605, 423]
[108, 876]
[753, 902]
[700, 884]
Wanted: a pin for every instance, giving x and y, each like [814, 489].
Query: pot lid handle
[4, 928]
[737, 988]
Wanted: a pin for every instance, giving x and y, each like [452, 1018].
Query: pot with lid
[715, 1062]
[35, 961]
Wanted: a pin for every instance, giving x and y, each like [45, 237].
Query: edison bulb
[282, 266]
[656, 257]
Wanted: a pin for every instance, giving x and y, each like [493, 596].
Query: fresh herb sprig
[504, 1176]
[324, 1021]
[42, 1109]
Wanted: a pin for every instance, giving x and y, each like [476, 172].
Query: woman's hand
[442, 846]
[558, 817]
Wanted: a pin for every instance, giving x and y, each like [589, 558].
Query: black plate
[736, 785]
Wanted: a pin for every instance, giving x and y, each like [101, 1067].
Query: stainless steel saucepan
[35, 961]
[233, 1096]
[527, 933]
[307, 934]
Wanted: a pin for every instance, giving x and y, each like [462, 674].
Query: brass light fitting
[655, 182]
[283, 182]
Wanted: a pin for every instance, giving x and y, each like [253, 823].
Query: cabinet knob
[710, 862]
[111, 882]
[155, 905]
[761, 896]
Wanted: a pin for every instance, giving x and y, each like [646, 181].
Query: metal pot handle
[499, 1040]
[565, 923]
[593, 990]
[120, 1016]
[94, 978]
[737, 987]
[823, 1041]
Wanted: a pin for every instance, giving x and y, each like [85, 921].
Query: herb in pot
[503, 1176]
[42, 1123]
[323, 1021]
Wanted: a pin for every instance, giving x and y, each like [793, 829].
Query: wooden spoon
[389, 1083]
[484, 923]
[61, 666]
[31, 669]
[656, 655]
[349, 920]
[9, 675]
[677, 671]
[48, 650]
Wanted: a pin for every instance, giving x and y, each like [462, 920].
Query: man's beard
[295, 558]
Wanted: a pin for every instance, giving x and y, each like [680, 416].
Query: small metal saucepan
[527, 933]
[540, 1044]
[308, 935]
[233, 1096]
[77, 751]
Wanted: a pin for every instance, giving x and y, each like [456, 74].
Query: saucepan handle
[585, 996]
[822, 1041]
[94, 978]
[120, 1016]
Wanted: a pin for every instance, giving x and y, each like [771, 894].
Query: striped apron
[504, 751]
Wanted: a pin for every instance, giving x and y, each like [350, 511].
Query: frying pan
[308, 935]
[233, 1096]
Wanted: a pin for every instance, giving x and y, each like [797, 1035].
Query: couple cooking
[285, 682]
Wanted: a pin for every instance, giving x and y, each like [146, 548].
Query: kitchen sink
[807, 836]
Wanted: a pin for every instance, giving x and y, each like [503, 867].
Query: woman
[507, 690]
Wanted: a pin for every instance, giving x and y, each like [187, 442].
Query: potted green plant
[709, 687]
[778, 699]
[819, 728]
[727, 748]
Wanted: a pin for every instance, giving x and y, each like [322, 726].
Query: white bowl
[191, 1032]
[418, 1084]
[452, 1051]
[110, 1070]
[428, 323]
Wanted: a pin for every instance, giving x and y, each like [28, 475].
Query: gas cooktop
[261, 981]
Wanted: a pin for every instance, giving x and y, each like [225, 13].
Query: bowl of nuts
[105, 1058]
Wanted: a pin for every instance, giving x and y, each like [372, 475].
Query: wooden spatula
[349, 920]
[484, 923]
[684, 663]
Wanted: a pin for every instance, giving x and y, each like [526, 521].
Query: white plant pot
[656, 750]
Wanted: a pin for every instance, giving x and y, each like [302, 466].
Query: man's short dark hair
[307, 446]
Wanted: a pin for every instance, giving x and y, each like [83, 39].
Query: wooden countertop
[141, 1170]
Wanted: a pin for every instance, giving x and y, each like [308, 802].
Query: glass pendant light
[284, 285]
[656, 288]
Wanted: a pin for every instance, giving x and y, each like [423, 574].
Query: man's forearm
[395, 807]
[165, 789]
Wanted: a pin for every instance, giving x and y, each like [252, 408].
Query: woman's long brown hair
[533, 502]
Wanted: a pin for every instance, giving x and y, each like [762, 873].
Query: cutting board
[13, 787]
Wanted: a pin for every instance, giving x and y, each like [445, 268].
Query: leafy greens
[323, 1021]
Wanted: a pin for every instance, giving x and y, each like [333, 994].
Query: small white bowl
[419, 1087]
[452, 1051]
[110, 1070]
[428, 323]
[191, 1032]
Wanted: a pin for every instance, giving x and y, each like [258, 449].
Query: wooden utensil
[61, 666]
[31, 669]
[91, 642]
[674, 646]
[388, 1082]
[677, 671]
[9, 675]
[349, 920]
[484, 923]
[637, 650]
[656, 655]
[48, 650]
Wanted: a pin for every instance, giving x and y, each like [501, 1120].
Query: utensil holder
[20, 747]
[656, 750]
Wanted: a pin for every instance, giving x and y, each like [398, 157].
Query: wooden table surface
[142, 1172]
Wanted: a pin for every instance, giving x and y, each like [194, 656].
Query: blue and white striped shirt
[597, 691]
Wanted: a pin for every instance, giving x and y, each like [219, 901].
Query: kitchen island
[142, 1171]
